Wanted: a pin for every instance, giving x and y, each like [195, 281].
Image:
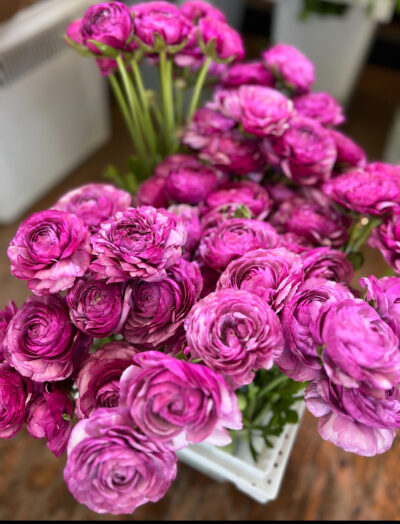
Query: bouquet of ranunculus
[204, 306]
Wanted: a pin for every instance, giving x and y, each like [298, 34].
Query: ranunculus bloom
[109, 23]
[385, 294]
[351, 419]
[47, 418]
[263, 111]
[320, 106]
[138, 243]
[107, 66]
[178, 402]
[205, 124]
[190, 217]
[306, 152]
[232, 152]
[113, 467]
[190, 184]
[288, 64]
[94, 203]
[227, 42]
[235, 333]
[272, 274]
[233, 238]
[360, 349]
[373, 190]
[324, 262]
[349, 154]
[151, 192]
[98, 379]
[15, 393]
[196, 9]
[171, 162]
[51, 248]
[158, 17]
[41, 341]
[5, 317]
[96, 307]
[250, 73]
[244, 192]
[74, 32]
[386, 238]
[157, 309]
[299, 359]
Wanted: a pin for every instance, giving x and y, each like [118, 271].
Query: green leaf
[356, 259]
[66, 417]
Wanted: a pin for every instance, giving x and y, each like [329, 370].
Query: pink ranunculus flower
[272, 274]
[353, 420]
[373, 190]
[320, 106]
[109, 23]
[137, 243]
[98, 378]
[190, 217]
[234, 333]
[385, 296]
[41, 342]
[206, 123]
[50, 250]
[94, 203]
[5, 317]
[190, 184]
[349, 154]
[197, 9]
[158, 309]
[233, 238]
[371, 359]
[306, 152]
[74, 32]
[107, 66]
[289, 65]
[250, 73]
[171, 162]
[15, 395]
[386, 238]
[324, 262]
[113, 467]
[152, 192]
[48, 418]
[227, 42]
[178, 402]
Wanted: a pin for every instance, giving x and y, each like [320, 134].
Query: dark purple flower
[227, 42]
[98, 379]
[41, 341]
[157, 309]
[113, 467]
[324, 262]
[15, 394]
[5, 317]
[234, 333]
[109, 23]
[385, 296]
[320, 106]
[233, 238]
[289, 65]
[51, 248]
[94, 203]
[50, 415]
[138, 243]
[250, 73]
[178, 402]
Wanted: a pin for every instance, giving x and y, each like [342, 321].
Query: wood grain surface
[321, 481]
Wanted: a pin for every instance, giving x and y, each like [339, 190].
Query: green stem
[360, 232]
[197, 88]
[122, 105]
[272, 385]
[150, 133]
[166, 92]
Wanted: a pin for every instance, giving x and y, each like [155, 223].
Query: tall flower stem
[123, 106]
[167, 99]
[197, 88]
[360, 232]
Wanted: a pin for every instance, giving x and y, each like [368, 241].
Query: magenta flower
[306, 152]
[320, 106]
[353, 420]
[250, 73]
[371, 359]
[227, 42]
[109, 23]
[324, 262]
[50, 250]
[289, 65]
[190, 217]
[107, 66]
[349, 154]
[272, 274]
[172, 162]
[15, 394]
[152, 192]
[48, 418]
[41, 341]
[5, 317]
[234, 333]
[385, 296]
[138, 243]
[233, 238]
[196, 9]
[190, 184]
[177, 402]
[205, 125]
[74, 32]
[94, 203]
[373, 190]
[386, 238]
[158, 309]
[113, 467]
[98, 379]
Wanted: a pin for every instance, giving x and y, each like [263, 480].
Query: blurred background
[59, 128]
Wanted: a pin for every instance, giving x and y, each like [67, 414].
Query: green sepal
[105, 49]
[82, 50]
